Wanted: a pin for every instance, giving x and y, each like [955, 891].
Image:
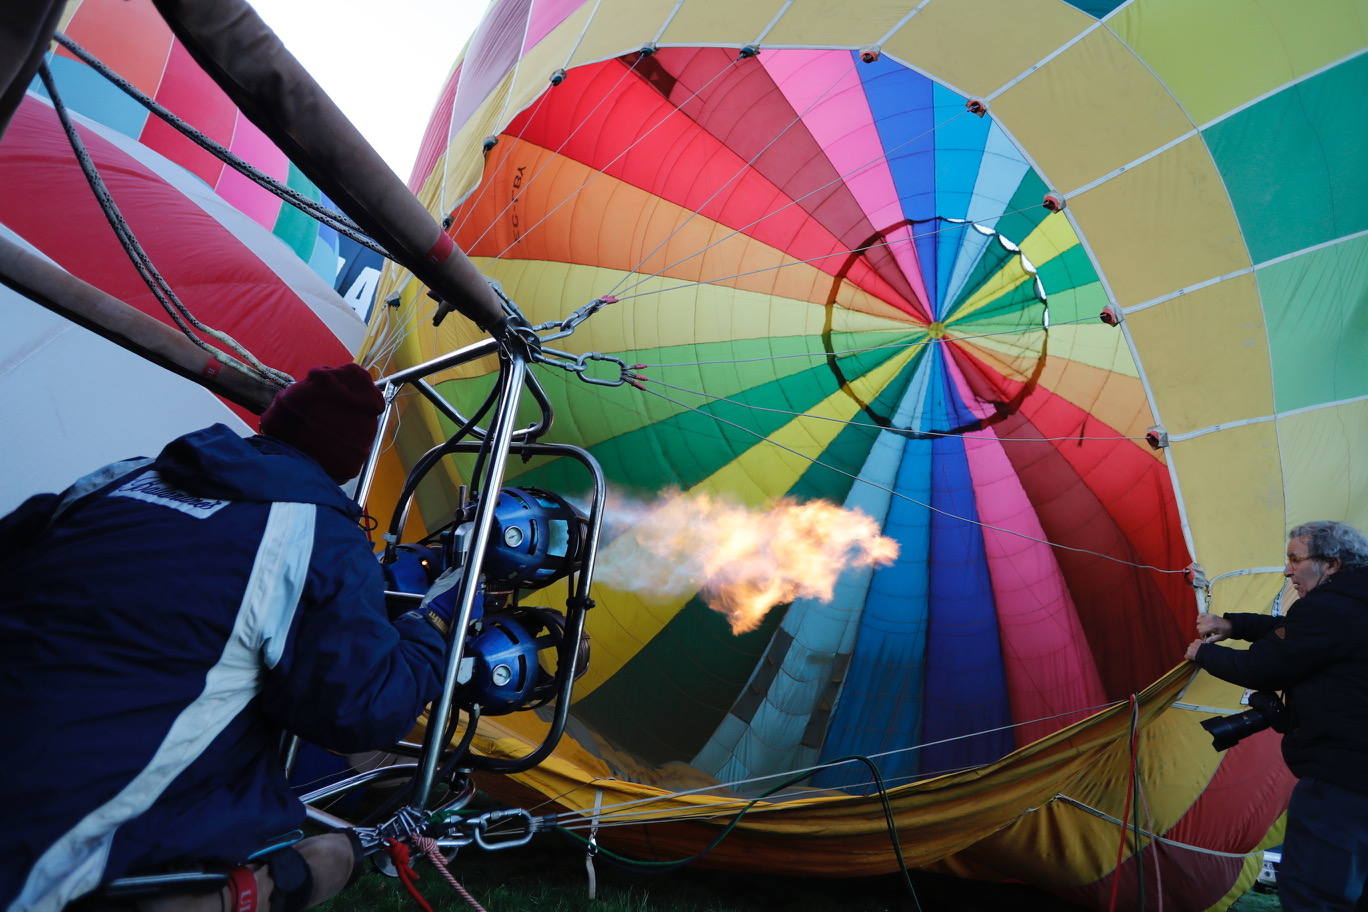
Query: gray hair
[1334, 540]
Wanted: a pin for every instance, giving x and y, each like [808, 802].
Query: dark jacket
[1317, 655]
[157, 636]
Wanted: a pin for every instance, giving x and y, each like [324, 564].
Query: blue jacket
[157, 634]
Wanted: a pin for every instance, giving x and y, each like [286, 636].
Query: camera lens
[1226, 731]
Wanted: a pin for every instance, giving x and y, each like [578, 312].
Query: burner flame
[743, 561]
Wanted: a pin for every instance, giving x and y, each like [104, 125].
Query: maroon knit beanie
[330, 415]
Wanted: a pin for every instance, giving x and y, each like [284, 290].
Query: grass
[550, 876]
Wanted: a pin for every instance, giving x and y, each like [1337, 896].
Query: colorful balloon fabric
[131, 38]
[824, 230]
[74, 401]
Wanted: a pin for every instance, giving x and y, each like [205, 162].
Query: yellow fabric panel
[620, 26]
[1007, 803]
[978, 45]
[1049, 239]
[1099, 346]
[1218, 54]
[707, 24]
[1206, 355]
[1323, 479]
[833, 23]
[1253, 593]
[1161, 226]
[1090, 110]
[1231, 483]
[1004, 280]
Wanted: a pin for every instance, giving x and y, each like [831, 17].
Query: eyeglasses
[1294, 560]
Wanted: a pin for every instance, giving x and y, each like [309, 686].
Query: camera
[1267, 710]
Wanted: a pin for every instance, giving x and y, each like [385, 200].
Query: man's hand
[1191, 654]
[1212, 628]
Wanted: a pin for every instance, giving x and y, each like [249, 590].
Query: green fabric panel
[693, 670]
[1065, 273]
[1024, 210]
[1078, 305]
[294, 227]
[1316, 309]
[687, 447]
[1295, 163]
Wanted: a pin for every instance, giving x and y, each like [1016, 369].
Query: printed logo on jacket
[150, 488]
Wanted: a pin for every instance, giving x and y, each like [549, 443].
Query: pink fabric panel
[544, 16]
[1050, 669]
[251, 145]
[437, 134]
[824, 88]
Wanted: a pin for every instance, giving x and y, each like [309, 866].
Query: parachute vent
[1111, 315]
[558, 77]
[870, 53]
[1157, 437]
[489, 143]
[750, 50]
[976, 107]
[1054, 202]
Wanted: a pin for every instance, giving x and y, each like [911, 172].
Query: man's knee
[290, 880]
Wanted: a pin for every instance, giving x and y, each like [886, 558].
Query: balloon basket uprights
[503, 656]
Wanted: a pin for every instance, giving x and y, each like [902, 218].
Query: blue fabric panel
[880, 705]
[966, 690]
[900, 102]
[944, 409]
[87, 92]
[960, 141]
[1000, 173]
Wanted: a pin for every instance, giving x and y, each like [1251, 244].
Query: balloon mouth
[986, 398]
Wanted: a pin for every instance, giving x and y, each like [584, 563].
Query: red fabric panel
[195, 98]
[1250, 789]
[128, 35]
[217, 277]
[1113, 498]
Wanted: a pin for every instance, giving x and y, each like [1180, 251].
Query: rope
[429, 848]
[154, 280]
[335, 220]
[1125, 816]
[399, 854]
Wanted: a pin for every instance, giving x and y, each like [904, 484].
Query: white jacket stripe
[74, 864]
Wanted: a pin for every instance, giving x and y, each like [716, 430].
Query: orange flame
[743, 561]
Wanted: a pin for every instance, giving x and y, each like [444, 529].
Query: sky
[382, 61]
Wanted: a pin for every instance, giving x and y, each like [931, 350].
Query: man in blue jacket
[1317, 655]
[162, 621]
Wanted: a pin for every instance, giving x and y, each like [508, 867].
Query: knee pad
[293, 881]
